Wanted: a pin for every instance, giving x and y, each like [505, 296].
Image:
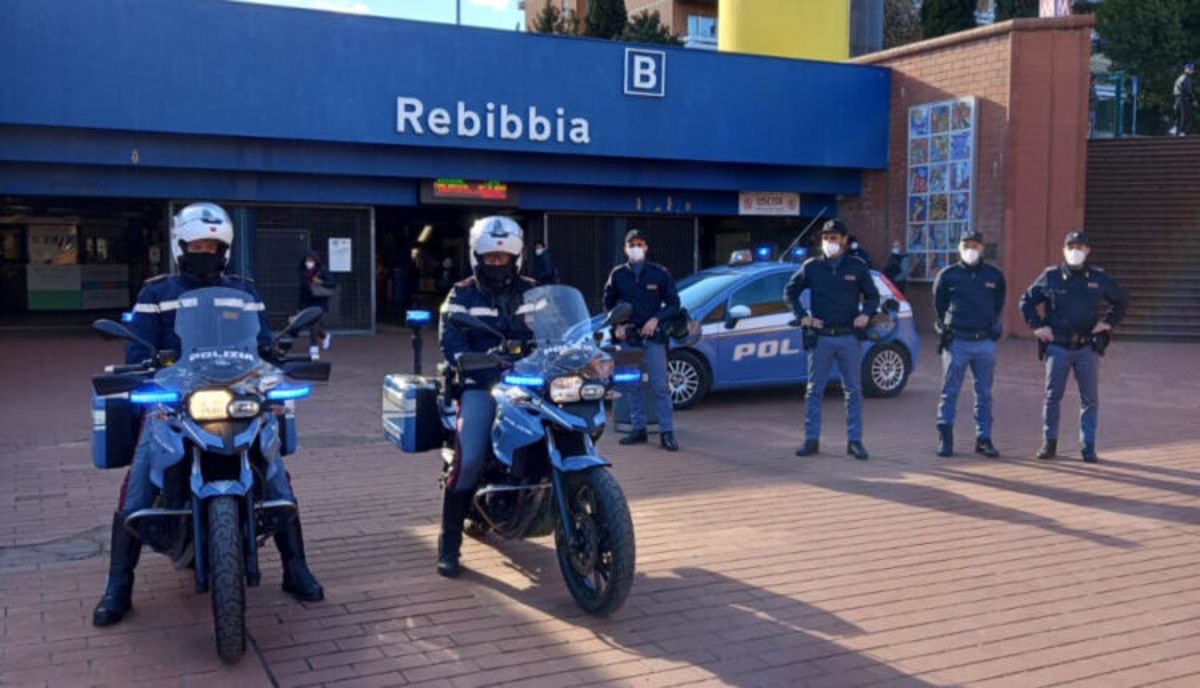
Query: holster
[808, 338]
[1042, 346]
[944, 338]
[1100, 342]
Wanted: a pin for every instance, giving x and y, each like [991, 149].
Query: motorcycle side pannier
[114, 430]
[410, 413]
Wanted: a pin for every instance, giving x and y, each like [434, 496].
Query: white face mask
[309, 264]
[970, 256]
[854, 246]
[830, 248]
[539, 251]
[896, 250]
[636, 253]
[1075, 256]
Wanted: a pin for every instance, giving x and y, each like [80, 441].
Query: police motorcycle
[227, 415]
[543, 474]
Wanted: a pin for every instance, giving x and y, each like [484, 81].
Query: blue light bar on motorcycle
[289, 392]
[417, 318]
[524, 380]
[624, 376]
[153, 394]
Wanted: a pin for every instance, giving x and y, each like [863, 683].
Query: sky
[498, 14]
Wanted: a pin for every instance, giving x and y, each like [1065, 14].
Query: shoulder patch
[529, 280]
[860, 260]
[156, 278]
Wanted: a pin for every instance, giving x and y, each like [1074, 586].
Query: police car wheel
[885, 370]
[687, 378]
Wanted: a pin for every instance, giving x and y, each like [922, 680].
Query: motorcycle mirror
[736, 313]
[110, 329]
[317, 371]
[619, 313]
[303, 319]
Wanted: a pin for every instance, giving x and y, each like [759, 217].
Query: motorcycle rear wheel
[226, 576]
[597, 557]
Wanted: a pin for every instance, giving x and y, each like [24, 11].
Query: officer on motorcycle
[493, 294]
[201, 237]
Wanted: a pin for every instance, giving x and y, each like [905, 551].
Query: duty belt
[973, 335]
[835, 331]
[1074, 341]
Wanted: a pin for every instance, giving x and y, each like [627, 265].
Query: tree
[605, 19]
[549, 20]
[1012, 9]
[647, 27]
[1150, 39]
[940, 17]
[901, 25]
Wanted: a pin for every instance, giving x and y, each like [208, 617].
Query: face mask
[308, 264]
[895, 250]
[495, 278]
[854, 246]
[970, 256]
[1075, 257]
[205, 267]
[539, 251]
[830, 248]
[636, 254]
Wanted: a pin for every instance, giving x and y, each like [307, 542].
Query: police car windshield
[697, 290]
[217, 321]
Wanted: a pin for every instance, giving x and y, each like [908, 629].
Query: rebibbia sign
[490, 121]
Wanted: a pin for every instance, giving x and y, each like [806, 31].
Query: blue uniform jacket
[652, 294]
[969, 298]
[499, 313]
[836, 287]
[1072, 300]
[154, 312]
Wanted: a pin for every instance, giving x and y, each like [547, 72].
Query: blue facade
[205, 98]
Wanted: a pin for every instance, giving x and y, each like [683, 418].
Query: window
[764, 296]
[702, 27]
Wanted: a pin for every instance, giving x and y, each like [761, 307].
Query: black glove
[945, 336]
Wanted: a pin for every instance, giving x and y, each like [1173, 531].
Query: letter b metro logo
[645, 72]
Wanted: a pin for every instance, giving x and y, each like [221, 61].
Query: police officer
[968, 298]
[1070, 295]
[493, 294]
[650, 289]
[201, 236]
[838, 284]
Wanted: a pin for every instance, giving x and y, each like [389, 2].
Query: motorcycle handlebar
[128, 368]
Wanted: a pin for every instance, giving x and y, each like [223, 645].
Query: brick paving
[755, 568]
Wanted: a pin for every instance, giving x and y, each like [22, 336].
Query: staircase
[1143, 222]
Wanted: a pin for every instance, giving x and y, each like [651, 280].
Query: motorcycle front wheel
[596, 550]
[226, 577]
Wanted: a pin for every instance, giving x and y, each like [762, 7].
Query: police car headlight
[564, 390]
[210, 404]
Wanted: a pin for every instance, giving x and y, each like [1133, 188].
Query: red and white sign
[768, 203]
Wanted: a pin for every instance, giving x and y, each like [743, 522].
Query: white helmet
[200, 221]
[497, 233]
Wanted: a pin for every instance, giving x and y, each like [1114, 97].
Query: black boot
[1049, 449]
[1088, 451]
[984, 446]
[667, 440]
[298, 581]
[857, 450]
[118, 590]
[945, 445]
[635, 437]
[454, 510]
[809, 448]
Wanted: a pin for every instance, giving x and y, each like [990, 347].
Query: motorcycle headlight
[210, 404]
[564, 390]
[592, 391]
[244, 408]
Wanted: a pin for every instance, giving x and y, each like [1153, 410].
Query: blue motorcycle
[543, 474]
[219, 416]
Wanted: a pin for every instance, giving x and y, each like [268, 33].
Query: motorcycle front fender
[574, 464]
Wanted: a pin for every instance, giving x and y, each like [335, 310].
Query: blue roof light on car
[762, 252]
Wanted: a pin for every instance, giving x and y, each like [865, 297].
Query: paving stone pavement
[755, 568]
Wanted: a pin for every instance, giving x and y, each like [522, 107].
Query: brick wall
[1030, 79]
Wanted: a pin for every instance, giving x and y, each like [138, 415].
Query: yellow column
[810, 29]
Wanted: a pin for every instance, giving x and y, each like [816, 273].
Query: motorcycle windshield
[218, 333]
[557, 315]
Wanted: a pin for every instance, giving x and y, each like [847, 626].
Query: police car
[746, 340]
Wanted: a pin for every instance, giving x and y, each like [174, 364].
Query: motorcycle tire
[597, 558]
[226, 577]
